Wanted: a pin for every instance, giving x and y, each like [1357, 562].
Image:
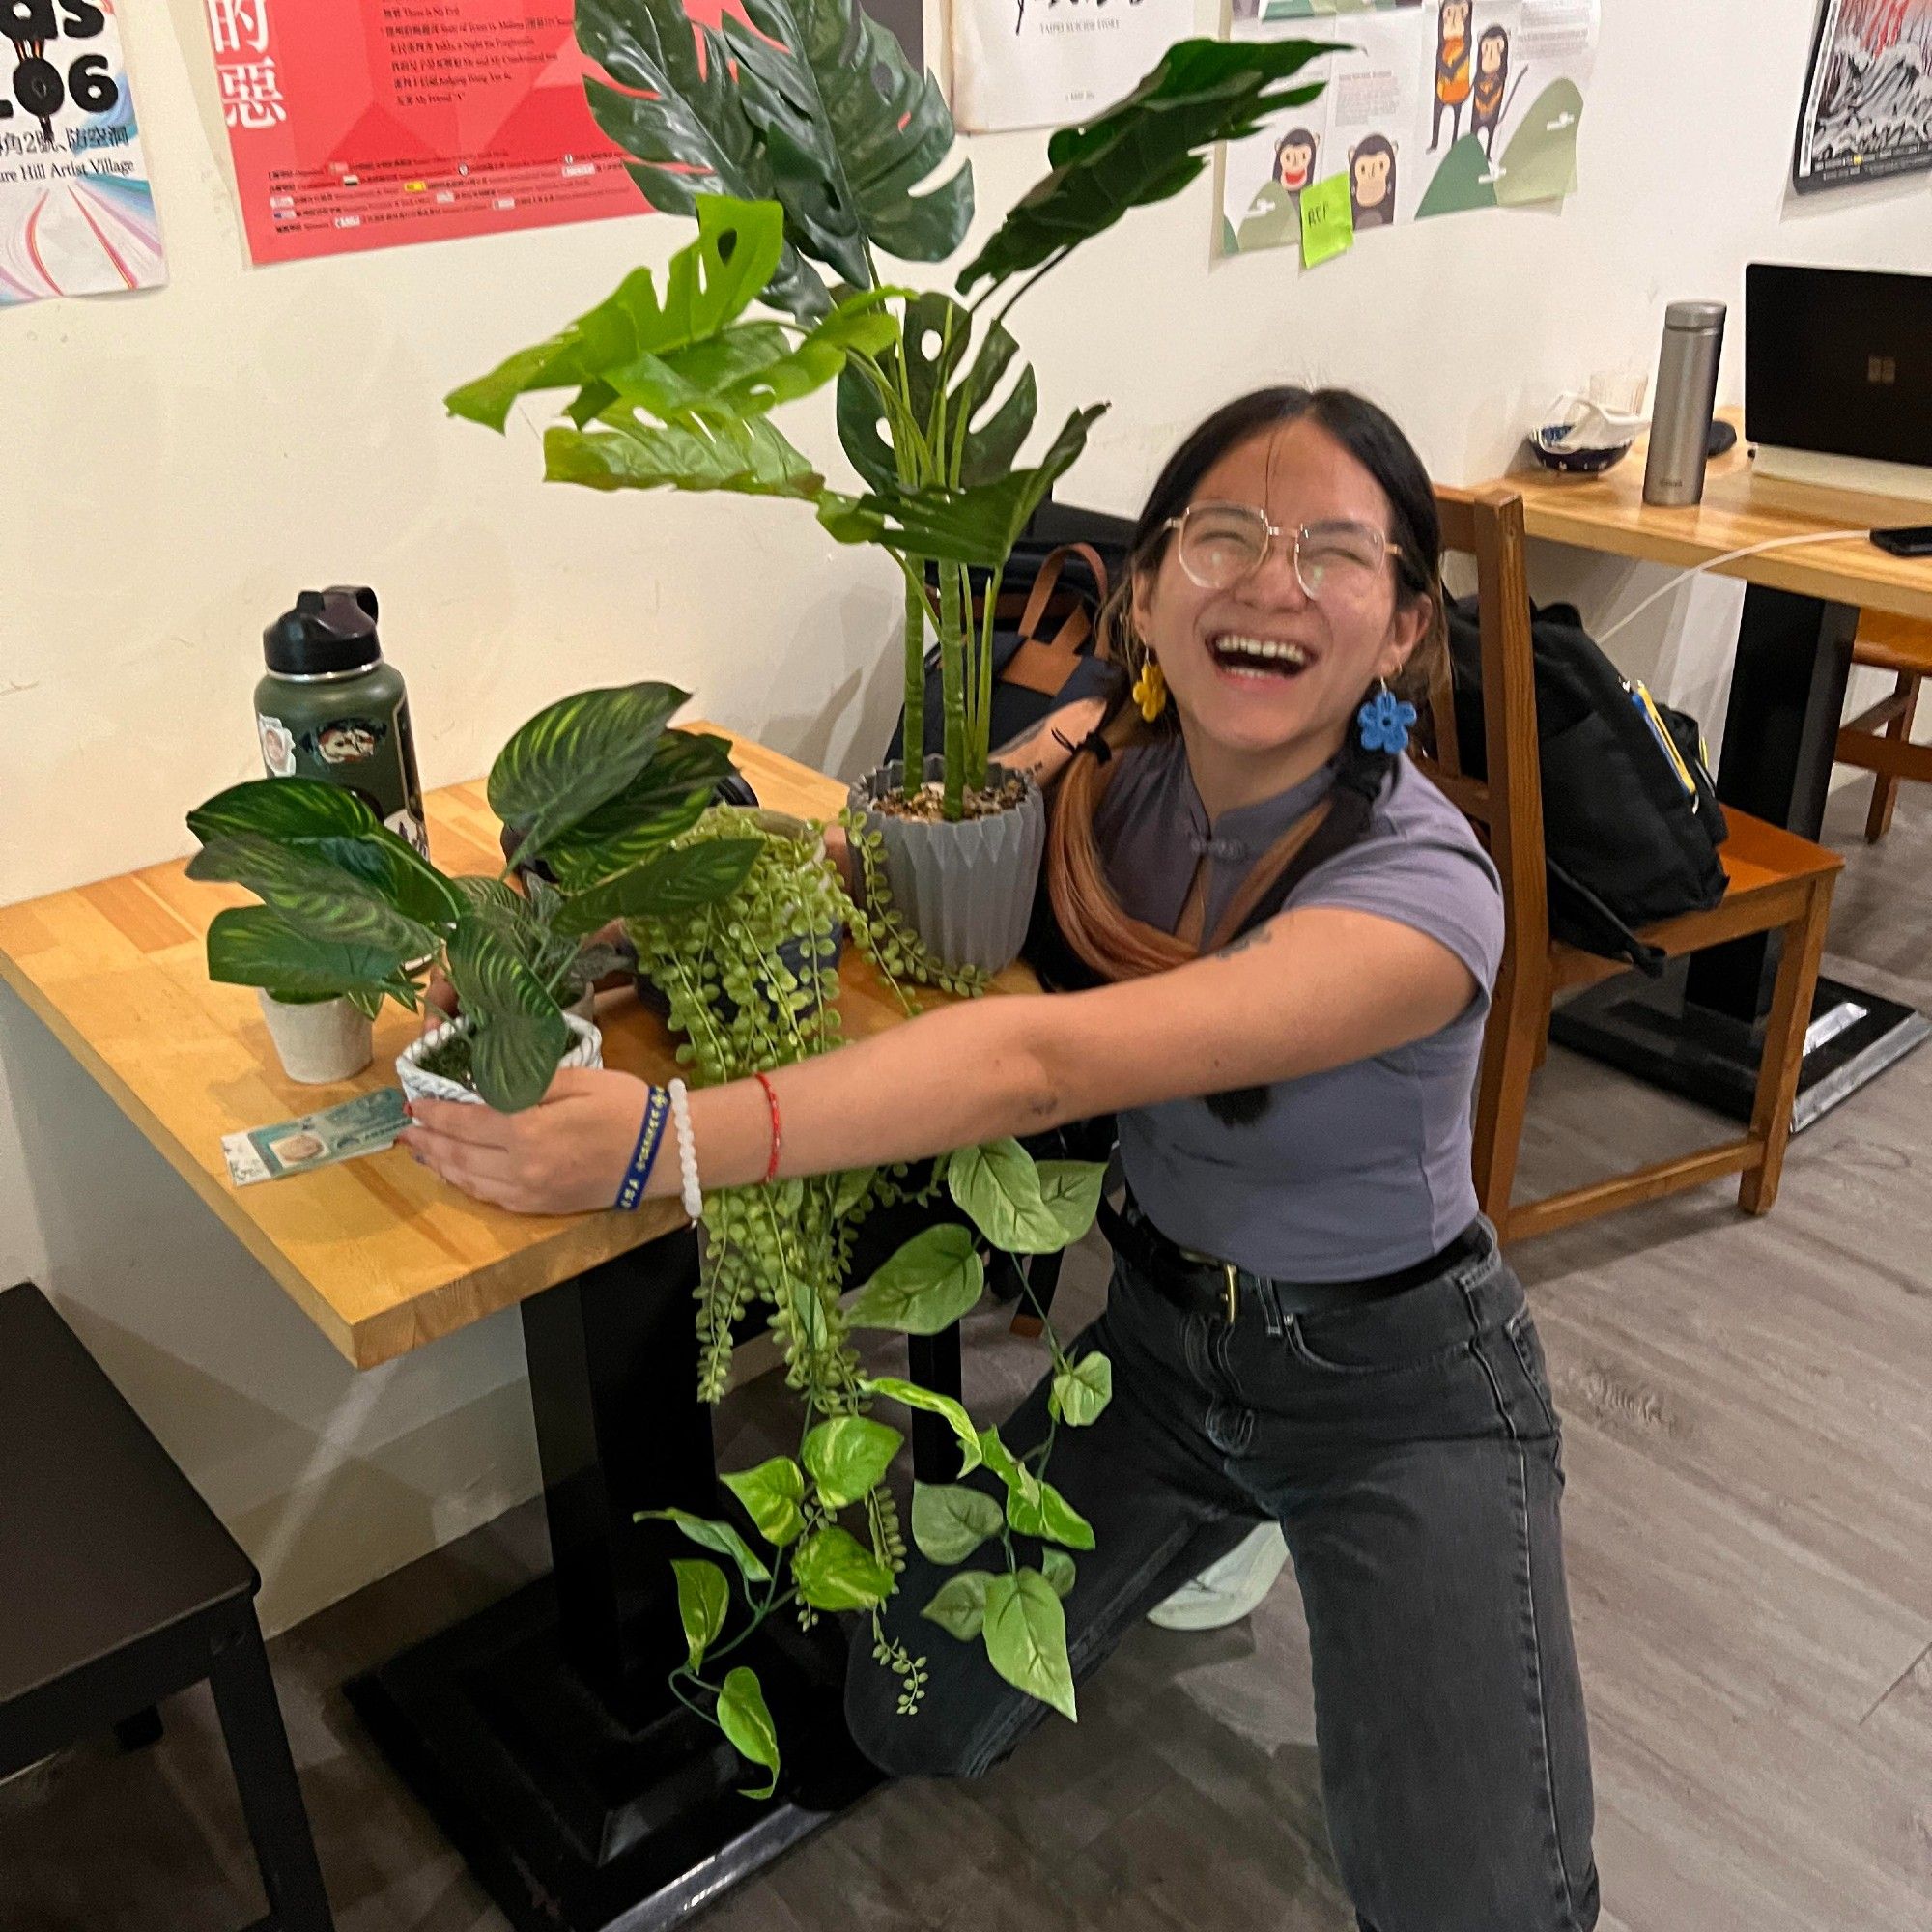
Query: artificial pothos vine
[753, 983]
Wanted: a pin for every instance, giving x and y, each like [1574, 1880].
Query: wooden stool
[1880, 739]
[123, 1588]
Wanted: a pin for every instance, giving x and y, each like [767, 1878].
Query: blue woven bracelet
[644, 1155]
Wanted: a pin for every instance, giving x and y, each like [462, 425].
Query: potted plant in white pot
[601, 790]
[814, 107]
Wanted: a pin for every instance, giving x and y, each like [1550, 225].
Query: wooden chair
[1778, 884]
[1879, 740]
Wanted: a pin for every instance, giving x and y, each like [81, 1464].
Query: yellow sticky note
[1327, 221]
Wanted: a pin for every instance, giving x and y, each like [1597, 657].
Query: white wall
[180, 463]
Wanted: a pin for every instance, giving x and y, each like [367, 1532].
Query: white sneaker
[1230, 1588]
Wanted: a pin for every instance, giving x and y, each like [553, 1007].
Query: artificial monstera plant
[812, 109]
[600, 790]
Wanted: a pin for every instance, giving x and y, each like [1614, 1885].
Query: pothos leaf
[998, 1186]
[772, 1494]
[835, 1571]
[945, 1405]
[959, 1606]
[704, 1597]
[934, 1279]
[710, 1534]
[951, 1521]
[1082, 1390]
[1025, 1629]
[1057, 1568]
[743, 1717]
[848, 1456]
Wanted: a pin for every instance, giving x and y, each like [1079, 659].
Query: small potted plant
[817, 116]
[601, 789]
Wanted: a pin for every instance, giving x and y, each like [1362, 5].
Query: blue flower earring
[1384, 722]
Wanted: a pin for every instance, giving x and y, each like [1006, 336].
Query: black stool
[118, 1587]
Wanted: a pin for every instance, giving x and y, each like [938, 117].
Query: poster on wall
[379, 122]
[1043, 63]
[77, 211]
[1435, 109]
[1867, 108]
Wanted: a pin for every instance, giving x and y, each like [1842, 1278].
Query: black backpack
[1047, 662]
[1630, 818]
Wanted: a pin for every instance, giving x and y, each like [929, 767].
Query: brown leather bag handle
[1044, 667]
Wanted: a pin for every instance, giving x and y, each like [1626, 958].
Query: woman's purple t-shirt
[1349, 1174]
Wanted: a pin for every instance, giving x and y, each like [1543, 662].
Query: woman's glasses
[1219, 544]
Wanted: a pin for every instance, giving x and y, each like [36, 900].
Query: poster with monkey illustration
[1439, 107]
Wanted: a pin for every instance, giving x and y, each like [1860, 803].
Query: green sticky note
[1327, 221]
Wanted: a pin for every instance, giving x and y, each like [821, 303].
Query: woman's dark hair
[1088, 916]
[1368, 433]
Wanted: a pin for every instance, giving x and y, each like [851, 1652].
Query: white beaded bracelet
[691, 1193]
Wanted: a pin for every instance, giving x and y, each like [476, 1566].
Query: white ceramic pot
[418, 1085]
[325, 1041]
[966, 889]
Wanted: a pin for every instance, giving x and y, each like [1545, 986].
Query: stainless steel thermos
[1685, 397]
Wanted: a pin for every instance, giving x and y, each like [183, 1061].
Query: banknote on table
[365, 1125]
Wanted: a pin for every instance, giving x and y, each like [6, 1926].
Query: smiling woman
[1271, 941]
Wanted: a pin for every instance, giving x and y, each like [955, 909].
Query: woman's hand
[565, 1156]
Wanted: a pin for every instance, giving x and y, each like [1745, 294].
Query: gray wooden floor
[1749, 1523]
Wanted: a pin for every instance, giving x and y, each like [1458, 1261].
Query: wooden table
[541, 1732]
[1697, 1031]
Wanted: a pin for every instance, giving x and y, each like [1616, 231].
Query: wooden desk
[1696, 1031]
[377, 1252]
[540, 1733]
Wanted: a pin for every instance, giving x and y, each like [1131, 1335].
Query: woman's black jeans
[1409, 1450]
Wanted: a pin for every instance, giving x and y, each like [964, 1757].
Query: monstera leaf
[850, 130]
[1145, 148]
[677, 112]
[708, 285]
[750, 458]
[938, 334]
[976, 526]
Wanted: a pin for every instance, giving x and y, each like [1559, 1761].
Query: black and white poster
[1868, 98]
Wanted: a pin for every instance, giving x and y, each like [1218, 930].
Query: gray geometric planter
[966, 889]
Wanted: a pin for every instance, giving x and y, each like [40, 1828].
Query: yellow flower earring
[1151, 689]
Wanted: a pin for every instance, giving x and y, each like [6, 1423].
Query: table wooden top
[1607, 513]
[380, 1254]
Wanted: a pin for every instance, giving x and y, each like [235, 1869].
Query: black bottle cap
[329, 631]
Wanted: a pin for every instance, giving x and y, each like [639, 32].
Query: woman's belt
[1200, 1283]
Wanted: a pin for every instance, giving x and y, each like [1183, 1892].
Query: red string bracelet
[778, 1134]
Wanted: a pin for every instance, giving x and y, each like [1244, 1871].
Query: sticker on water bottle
[278, 745]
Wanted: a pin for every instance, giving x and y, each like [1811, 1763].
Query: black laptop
[1838, 362]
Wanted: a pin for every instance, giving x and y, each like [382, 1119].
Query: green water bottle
[330, 708]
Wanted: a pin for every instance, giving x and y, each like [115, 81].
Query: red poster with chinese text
[363, 124]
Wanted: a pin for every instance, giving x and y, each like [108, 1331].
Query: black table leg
[541, 1732]
[1698, 1030]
